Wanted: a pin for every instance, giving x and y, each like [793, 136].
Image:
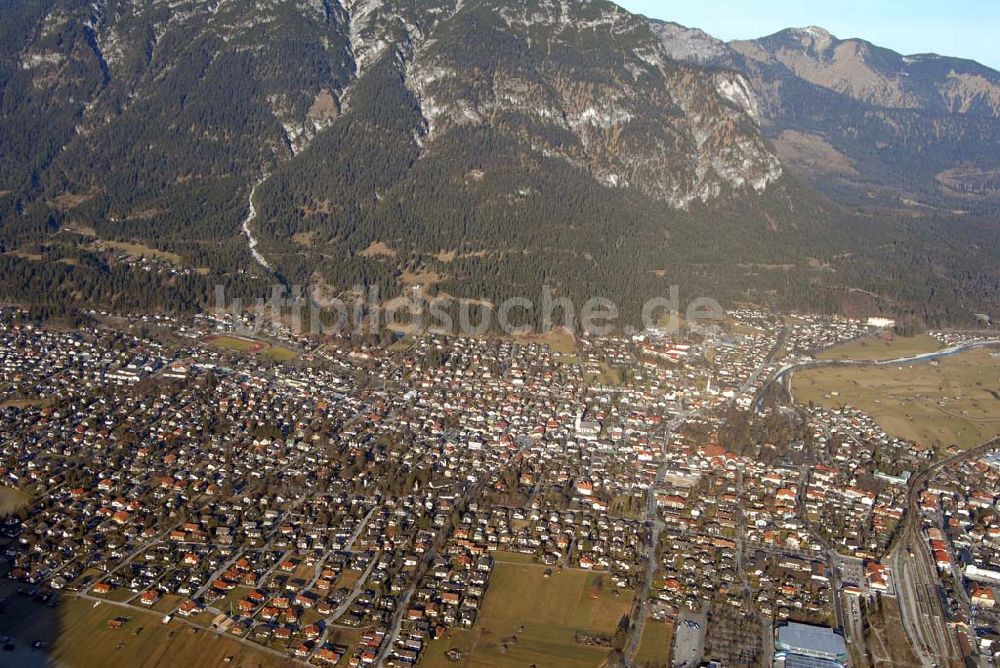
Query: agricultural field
[77, 634]
[528, 618]
[951, 401]
[877, 348]
[11, 500]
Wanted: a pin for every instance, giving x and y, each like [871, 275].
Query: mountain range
[864, 122]
[481, 149]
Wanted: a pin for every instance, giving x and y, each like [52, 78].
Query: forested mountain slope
[478, 148]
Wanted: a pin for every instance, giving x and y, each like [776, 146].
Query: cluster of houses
[949, 339]
[731, 527]
[856, 495]
[348, 509]
[152, 262]
[811, 333]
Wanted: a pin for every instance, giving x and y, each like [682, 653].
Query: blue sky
[962, 28]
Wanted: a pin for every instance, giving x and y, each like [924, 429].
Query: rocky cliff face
[618, 108]
[584, 81]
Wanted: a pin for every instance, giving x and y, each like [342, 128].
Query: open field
[378, 249]
[348, 578]
[34, 257]
[422, 277]
[955, 400]
[875, 348]
[27, 403]
[560, 341]
[739, 329]
[232, 597]
[513, 557]
[528, 619]
[280, 353]
[11, 499]
[887, 642]
[608, 376]
[404, 343]
[138, 250]
[655, 644]
[76, 634]
[67, 201]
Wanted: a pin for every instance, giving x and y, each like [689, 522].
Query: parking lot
[852, 571]
[689, 645]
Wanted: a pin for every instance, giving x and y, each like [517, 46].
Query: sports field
[955, 400]
[235, 343]
[240, 344]
[528, 619]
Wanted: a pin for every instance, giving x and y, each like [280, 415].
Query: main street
[640, 609]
